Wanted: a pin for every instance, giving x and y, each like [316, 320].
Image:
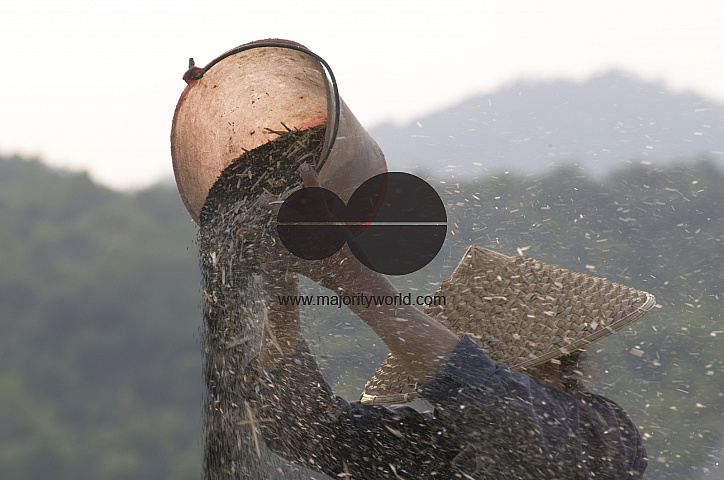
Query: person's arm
[419, 342]
[303, 421]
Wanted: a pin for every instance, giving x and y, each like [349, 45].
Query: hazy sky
[93, 84]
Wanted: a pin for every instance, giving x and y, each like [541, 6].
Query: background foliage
[99, 355]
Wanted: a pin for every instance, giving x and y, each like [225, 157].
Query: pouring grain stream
[233, 307]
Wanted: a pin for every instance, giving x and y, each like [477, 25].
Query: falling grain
[232, 299]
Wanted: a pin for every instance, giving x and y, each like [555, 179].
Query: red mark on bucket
[312, 123]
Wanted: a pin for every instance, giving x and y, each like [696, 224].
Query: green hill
[100, 364]
[100, 373]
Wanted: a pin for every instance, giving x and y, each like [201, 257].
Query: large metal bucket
[230, 105]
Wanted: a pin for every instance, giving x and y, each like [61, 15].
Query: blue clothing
[487, 423]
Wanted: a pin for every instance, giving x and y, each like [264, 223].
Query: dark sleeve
[511, 427]
[304, 422]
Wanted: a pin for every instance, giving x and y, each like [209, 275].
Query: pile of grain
[232, 299]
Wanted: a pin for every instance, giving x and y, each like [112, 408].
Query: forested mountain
[100, 364]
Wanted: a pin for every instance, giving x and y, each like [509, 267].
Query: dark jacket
[487, 423]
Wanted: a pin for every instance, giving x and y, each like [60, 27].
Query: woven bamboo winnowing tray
[521, 311]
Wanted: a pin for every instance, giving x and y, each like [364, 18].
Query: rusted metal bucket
[229, 105]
